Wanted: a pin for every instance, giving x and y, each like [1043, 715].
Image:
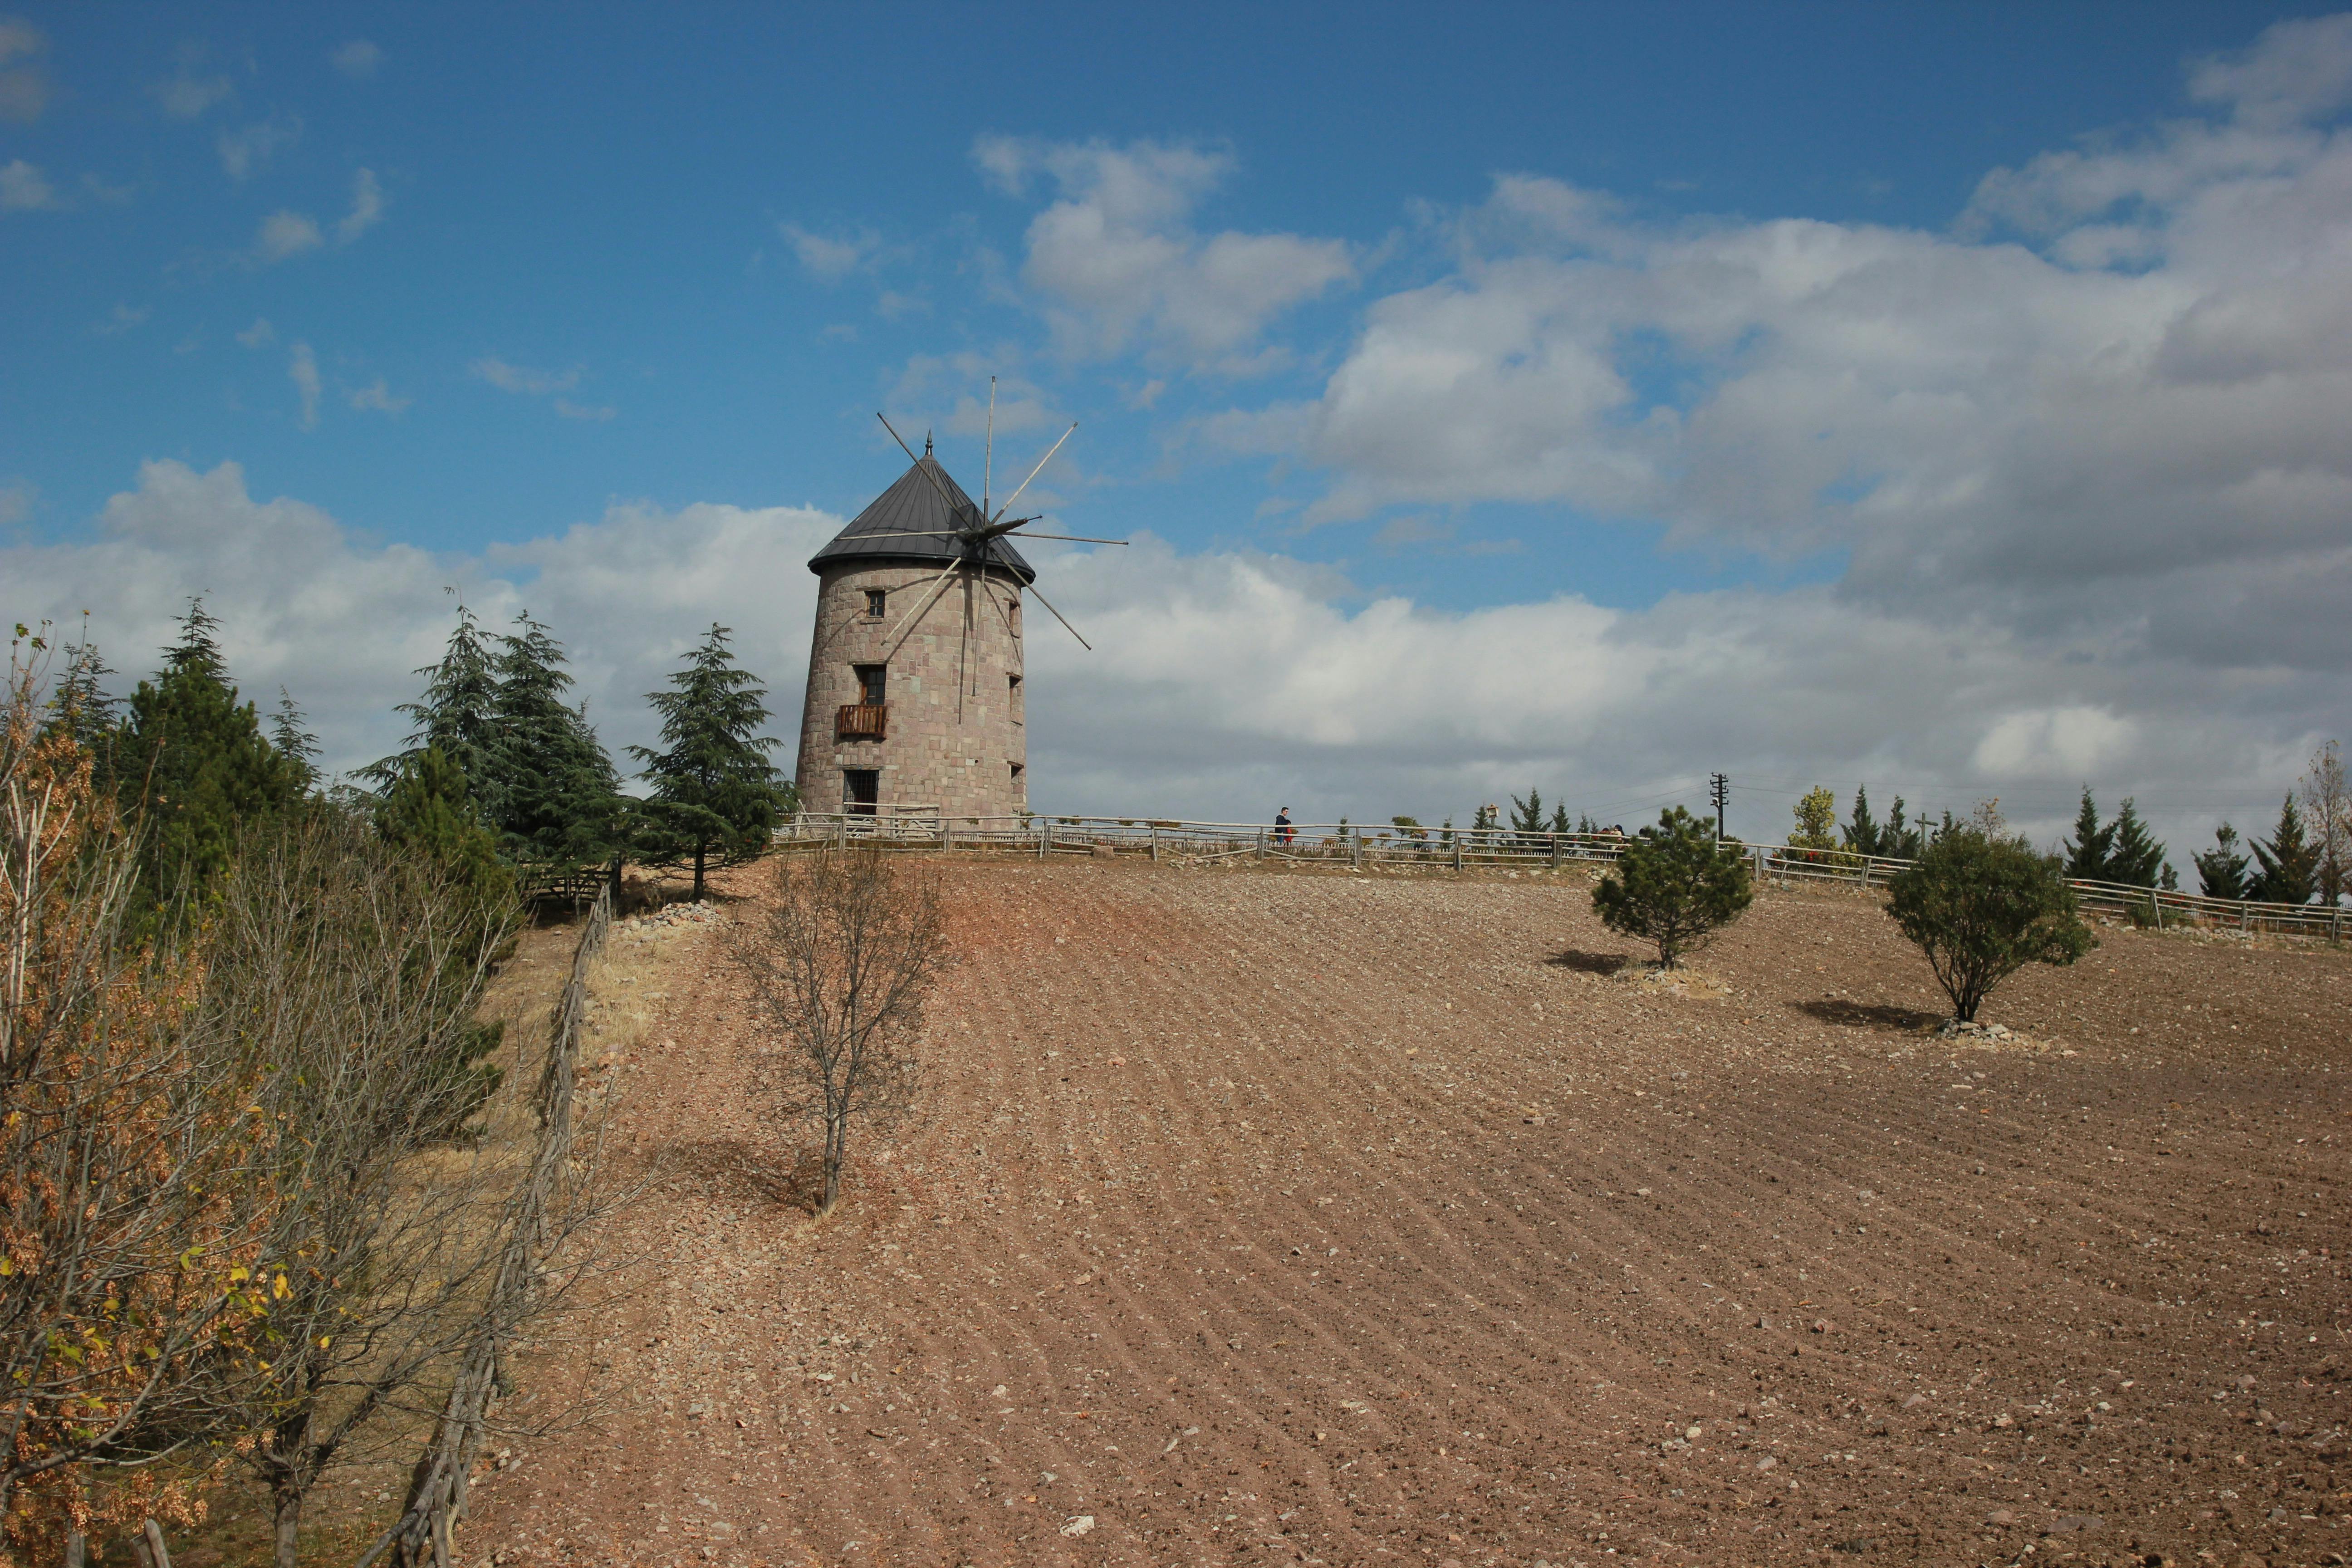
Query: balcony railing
[863, 721]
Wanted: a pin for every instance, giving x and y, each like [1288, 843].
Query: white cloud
[379, 398]
[121, 320]
[2141, 443]
[357, 59]
[571, 410]
[244, 153]
[24, 85]
[23, 188]
[1224, 684]
[1120, 266]
[285, 234]
[367, 207]
[519, 378]
[2296, 71]
[302, 369]
[831, 259]
[341, 621]
[16, 504]
[189, 93]
[261, 334]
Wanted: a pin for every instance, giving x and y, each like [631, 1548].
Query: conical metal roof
[914, 506]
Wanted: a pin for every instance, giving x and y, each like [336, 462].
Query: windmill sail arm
[1033, 473]
[1059, 617]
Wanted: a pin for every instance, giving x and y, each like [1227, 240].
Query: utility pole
[1719, 790]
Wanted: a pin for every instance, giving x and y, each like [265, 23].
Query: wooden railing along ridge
[1362, 846]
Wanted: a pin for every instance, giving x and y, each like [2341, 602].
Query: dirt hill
[1265, 1218]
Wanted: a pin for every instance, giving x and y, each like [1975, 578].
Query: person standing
[1283, 832]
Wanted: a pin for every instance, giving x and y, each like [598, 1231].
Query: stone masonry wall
[952, 743]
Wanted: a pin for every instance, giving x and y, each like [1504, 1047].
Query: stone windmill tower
[915, 702]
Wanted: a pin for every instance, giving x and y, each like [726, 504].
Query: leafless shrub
[839, 964]
[348, 973]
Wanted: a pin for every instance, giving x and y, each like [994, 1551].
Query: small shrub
[1982, 908]
[1675, 885]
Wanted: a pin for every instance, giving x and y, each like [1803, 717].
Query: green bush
[1675, 885]
[1983, 907]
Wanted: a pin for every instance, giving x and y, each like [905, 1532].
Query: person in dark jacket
[1283, 832]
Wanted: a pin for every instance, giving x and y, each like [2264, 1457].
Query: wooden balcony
[862, 722]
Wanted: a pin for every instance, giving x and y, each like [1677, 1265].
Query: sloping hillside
[1266, 1218]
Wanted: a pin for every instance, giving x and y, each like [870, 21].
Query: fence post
[1155, 843]
[1457, 852]
[1555, 851]
[1045, 832]
[1261, 843]
[1356, 850]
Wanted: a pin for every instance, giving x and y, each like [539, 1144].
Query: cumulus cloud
[283, 233]
[1223, 684]
[520, 379]
[367, 207]
[829, 258]
[23, 188]
[302, 370]
[1120, 265]
[242, 153]
[2110, 411]
[357, 59]
[341, 621]
[24, 85]
[261, 334]
[378, 397]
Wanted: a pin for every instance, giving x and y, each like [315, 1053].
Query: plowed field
[1265, 1218]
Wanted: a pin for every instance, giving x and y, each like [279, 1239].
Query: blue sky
[1473, 310]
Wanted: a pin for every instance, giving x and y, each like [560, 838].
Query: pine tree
[295, 744]
[714, 788]
[1899, 841]
[2289, 862]
[458, 713]
[1675, 884]
[1560, 823]
[79, 706]
[2092, 847]
[554, 798]
[1816, 814]
[1527, 815]
[1861, 830]
[2221, 870]
[196, 767]
[2135, 855]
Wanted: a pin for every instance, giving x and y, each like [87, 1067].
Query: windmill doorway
[861, 791]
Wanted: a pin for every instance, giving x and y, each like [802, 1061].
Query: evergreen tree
[295, 744]
[1527, 815]
[427, 813]
[2289, 862]
[1816, 814]
[458, 713]
[1560, 823]
[1899, 841]
[1861, 832]
[79, 706]
[2134, 856]
[554, 798]
[1980, 908]
[1675, 884]
[196, 767]
[714, 788]
[2089, 852]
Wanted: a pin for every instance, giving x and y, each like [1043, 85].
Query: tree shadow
[1589, 963]
[1868, 1015]
[740, 1168]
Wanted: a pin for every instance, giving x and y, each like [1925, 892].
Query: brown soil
[1265, 1217]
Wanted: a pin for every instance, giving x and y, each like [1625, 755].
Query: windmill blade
[1065, 538]
[1033, 473]
[918, 463]
[1061, 617]
[933, 587]
[920, 534]
[988, 460]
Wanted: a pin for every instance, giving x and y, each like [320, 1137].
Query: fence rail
[1362, 845]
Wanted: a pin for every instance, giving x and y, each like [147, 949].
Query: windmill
[984, 527]
[881, 660]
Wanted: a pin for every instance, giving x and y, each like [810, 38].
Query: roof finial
[926, 443]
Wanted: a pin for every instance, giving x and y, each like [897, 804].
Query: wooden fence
[1366, 847]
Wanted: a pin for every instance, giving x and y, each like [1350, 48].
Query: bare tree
[2327, 806]
[840, 962]
[350, 971]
